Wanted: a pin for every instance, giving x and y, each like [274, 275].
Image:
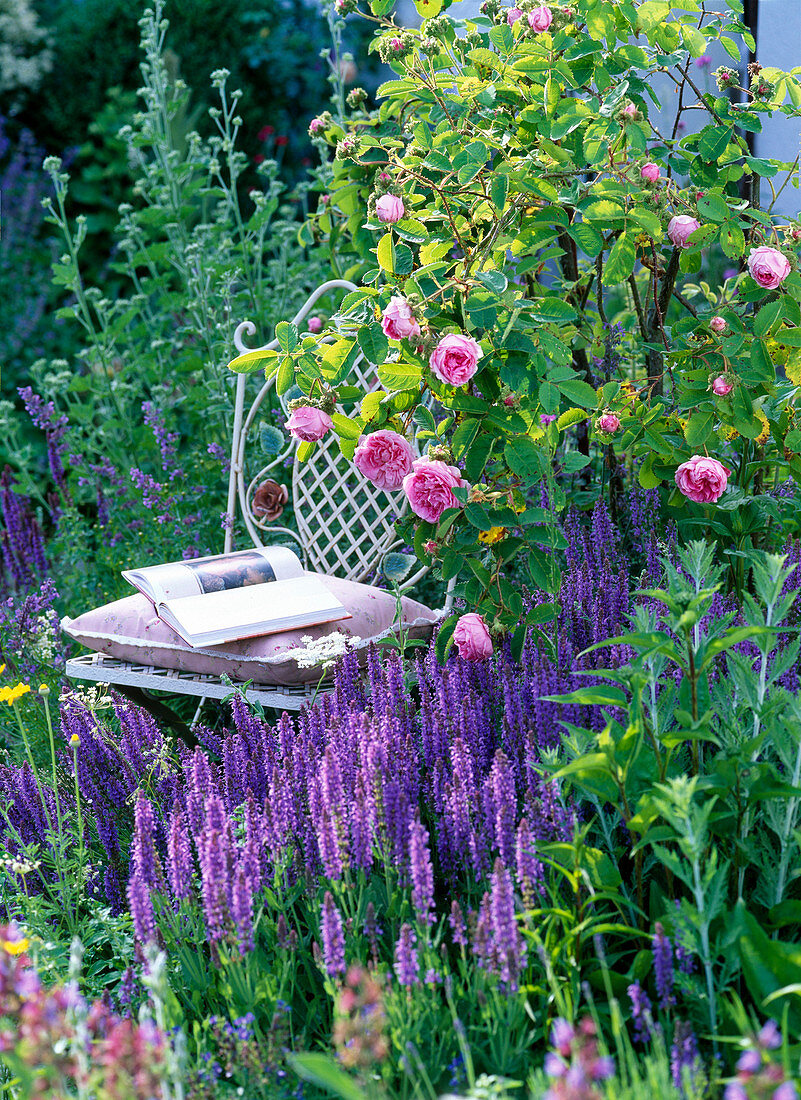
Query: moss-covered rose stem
[635, 294]
[656, 325]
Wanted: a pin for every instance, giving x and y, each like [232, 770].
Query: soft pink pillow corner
[130, 630]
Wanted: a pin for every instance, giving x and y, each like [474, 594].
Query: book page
[218, 573]
[247, 612]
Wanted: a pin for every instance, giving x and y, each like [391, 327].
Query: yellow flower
[727, 432]
[75, 740]
[10, 695]
[15, 947]
[2, 669]
[495, 534]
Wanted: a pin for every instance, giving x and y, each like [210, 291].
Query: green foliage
[727, 720]
[527, 225]
[271, 49]
[193, 259]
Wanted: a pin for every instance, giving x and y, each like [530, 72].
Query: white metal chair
[345, 527]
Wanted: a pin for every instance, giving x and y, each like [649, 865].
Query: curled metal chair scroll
[345, 526]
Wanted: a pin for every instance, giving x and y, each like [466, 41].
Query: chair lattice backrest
[345, 526]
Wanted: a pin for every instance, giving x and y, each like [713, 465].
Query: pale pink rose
[650, 172]
[702, 479]
[768, 266]
[608, 423]
[429, 488]
[513, 15]
[398, 321]
[390, 209]
[472, 638]
[718, 324]
[721, 386]
[315, 324]
[309, 424]
[630, 110]
[455, 359]
[540, 18]
[680, 227]
[385, 458]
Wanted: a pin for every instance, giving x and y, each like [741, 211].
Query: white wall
[779, 44]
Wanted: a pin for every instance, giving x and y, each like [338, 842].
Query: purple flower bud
[562, 1035]
[663, 967]
[422, 873]
[769, 1037]
[750, 1061]
[602, 1068]
[407, 966]
[554, 1066]
[734, 1091]
[333, 937]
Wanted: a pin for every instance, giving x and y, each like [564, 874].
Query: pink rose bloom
[472, 638]
[608, 423]
[309, 424]
[429, 488]
[768, 266]
[398, 321]
[540, 18]
[513, 15]
[650, 172]
[718, 324]
[680, 228]
[385, 458]
[390, 209]
[455, 359]
[702, 479]
[316, 125]
[721, 386]
[315, 324]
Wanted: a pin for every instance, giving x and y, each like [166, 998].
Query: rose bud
[718, 324]
[721, 386]
[608, 423]
[650, 172]
[680, 229]
[472, 638]
[389, 209]
[398, 320]
[540, 18]
[309, 424]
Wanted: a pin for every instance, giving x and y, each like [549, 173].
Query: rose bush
[528, 237]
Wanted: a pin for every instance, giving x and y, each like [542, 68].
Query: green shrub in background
[272, 50]
[137, 423]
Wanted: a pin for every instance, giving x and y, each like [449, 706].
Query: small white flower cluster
[19, 866]
[94, 698]
[323, 652]
[43, 648]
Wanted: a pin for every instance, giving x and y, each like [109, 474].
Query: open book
[230, 596]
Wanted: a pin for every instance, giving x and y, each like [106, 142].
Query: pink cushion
[130, 630]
